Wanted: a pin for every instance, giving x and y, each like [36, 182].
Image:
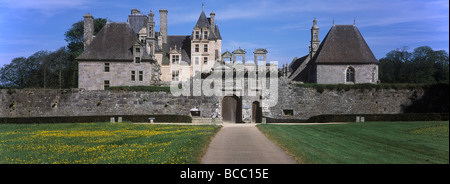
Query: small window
[205, 60]
[175, 59]
[288, 112]
[106, 84]
[141, 75]
[196, 60]
[197, 48]
[205, 35]
[197, 34]
[133, 75]
[138, 50]
[106, 67]
[175, 75]
[138, 59]
[350, 75]
[205, 48]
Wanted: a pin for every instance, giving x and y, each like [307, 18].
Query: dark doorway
[231, 109]
[256, 112]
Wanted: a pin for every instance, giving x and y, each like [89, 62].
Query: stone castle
[133, 53]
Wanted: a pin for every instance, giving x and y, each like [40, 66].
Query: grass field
[364, 143]
[103, 143]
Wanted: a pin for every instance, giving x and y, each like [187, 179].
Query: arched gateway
[231, 109]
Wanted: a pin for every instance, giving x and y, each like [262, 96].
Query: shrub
[140, 88]
[87, 119]
[380, 117]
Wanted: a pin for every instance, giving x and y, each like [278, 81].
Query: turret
[314, 38]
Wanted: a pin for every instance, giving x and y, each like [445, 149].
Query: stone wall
[308, 102]
[41, 103]
[303, 103]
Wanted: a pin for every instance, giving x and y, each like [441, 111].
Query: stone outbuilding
[343, 57]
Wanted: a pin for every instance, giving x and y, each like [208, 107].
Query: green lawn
[103, 143]
[364, 143]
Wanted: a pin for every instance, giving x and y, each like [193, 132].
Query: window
[141, 75]
[350, 75]
[133, 75]
[373, 74]
[205, 48]
[205, 35]
[106, 67]
[197, 34]
[288, 112]
[138, 59]
[175, 59]
[106, 84]
[138, 50]
[205, 60]
[197, 48]
[175, 74]
[196, 60]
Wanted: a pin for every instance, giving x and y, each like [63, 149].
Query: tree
[423, 65]
[45, 69]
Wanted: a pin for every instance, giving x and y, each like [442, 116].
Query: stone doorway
[256, 112]
[231, 109]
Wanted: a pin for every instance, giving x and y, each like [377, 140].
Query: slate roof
[344, 44]
[183, 42]
[137, 21]
[296, 63]
[114, 42]
[204, 21]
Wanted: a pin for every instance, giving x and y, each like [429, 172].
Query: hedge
[140, 88]
[380, 117]
[365, 86]
[87, 119]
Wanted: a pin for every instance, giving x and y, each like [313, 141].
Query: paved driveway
[244, 144]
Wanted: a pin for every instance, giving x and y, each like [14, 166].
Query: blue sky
[282, 27]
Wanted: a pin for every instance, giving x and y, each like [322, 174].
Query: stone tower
[88, 29]
[314, 38]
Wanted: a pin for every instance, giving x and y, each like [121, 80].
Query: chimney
[213, 26]
[163, 25]
[88, 29]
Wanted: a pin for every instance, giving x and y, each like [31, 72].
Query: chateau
[132, 53]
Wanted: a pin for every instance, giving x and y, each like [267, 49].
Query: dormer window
[197, 35]
[138, 50]
[137, 59]
[175, 59]
[205, 35]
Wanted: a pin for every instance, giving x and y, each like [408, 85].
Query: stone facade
[94, 74]
[336, 74]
